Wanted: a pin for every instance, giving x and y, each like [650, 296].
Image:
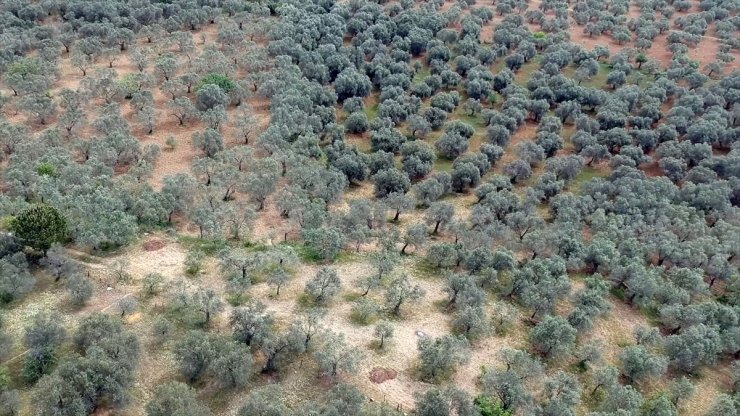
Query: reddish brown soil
[380, 374]
[153, 245]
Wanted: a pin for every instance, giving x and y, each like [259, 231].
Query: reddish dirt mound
[154, 245]
[380, 374]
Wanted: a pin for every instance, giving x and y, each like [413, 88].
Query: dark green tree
[39, 226]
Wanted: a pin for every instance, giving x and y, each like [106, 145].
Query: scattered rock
[153, 245]
[379, 374]
[421, 334]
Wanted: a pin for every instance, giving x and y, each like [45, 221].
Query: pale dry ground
[49, 297]
[401, 353]
[158, 365]
[428, 316]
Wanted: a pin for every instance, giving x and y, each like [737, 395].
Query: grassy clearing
[372, 111]
[205, 245]
[420, 76]
[588, 173]
[526, 71]
[463, 115]
[442, 165]
[371, 105]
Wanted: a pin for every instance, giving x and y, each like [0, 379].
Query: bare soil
[153, 245]
[381, 375]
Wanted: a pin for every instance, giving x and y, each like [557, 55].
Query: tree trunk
[397, 308]
[403, 249]
[269, 364]
[436, 227]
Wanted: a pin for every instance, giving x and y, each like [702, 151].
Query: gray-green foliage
[15, 278]
[507, 384]
[441, 356]
[401, 291]
[102, 373]
[265, 401]
[194, 353]
[383, 331]
[695, 346]
[210, 141]
[445, 402]
[251, 324]
[553, 336]
[324, 243]
[232, 363]
[724, 405]
[337, 356]
[79, 288]
[210, 96]
[175, 398]
[639, 363]
[324, 286]
[563, 394]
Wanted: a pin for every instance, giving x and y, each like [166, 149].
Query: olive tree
[400, 291]
[445, 402]
[440, 356]
[337, 356]
[175, 398]
[553, 336]
[324, 286]
[638, 363]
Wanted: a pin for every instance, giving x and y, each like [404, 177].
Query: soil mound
[379, 374]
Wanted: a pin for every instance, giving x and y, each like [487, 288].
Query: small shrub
[171, 143]
[194, 262]
[364, 312]
[161, 330]
[220, 80]
[46, 169]
[80, 289]
[489, 406]
[153, 284]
